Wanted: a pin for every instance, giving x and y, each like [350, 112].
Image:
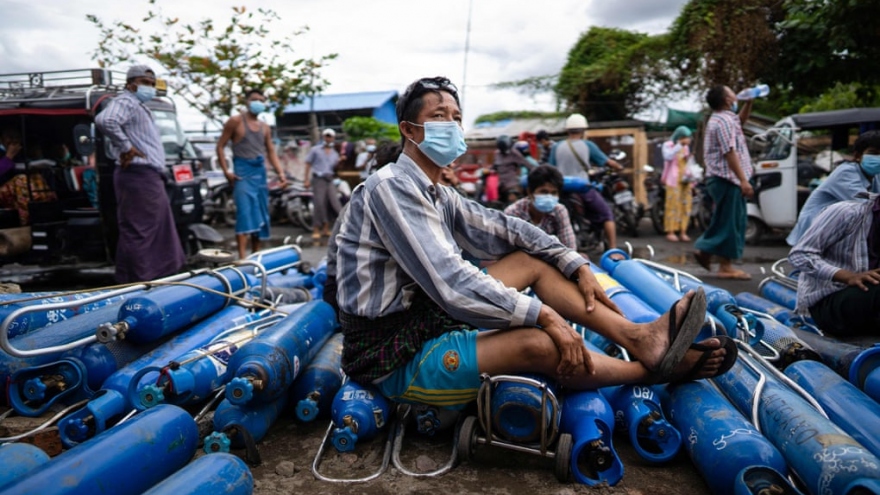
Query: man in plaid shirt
[541, 207]
[728, 170]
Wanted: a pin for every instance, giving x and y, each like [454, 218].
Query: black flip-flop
[704, 260]
[680, 338]
[729, 358]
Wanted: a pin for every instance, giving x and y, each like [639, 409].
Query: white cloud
[382, 44]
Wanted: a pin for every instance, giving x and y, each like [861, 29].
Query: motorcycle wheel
[227, 208]
[657, 218]
[627, 221]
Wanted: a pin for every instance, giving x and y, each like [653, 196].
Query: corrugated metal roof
[553, 126]
[343, 101]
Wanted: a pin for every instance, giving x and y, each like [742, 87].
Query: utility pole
[467, 47]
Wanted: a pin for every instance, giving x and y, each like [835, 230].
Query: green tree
[211, 65]
[356, 128]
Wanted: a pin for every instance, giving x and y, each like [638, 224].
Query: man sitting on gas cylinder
[410, 303]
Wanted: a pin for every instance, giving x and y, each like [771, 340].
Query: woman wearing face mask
[851, 177]
[677, 209]
[541, 207]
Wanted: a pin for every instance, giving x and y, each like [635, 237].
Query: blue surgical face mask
[734, 107]
[256, 107]
[443, 143]
[145, 93]
[545, 202]
[871, 164]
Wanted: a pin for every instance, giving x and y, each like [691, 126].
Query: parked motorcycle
[590, 237]
[619, 196]
[292, 202]
[218, 203]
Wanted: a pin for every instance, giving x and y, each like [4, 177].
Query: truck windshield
[779, 146]
[173, 139]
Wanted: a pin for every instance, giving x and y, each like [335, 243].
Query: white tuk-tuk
[792, 154]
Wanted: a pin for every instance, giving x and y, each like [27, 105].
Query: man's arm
[726, 135]
[599, 158]
[745, 112]
[565, 234]
[228, 131]
[830, 227]
[111, 122]
[412, 231]
[273, 157]
[307, 178]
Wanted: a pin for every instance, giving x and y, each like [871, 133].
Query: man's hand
[747, 190]
[126, 157]
[573, 354]
[592, 290]
[282, 180]
[861, 279]
[307, 183]
[231, 177]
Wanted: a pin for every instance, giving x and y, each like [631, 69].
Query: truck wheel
[754, 231]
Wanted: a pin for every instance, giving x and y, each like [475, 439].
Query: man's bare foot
[651, 342]
[709, 367]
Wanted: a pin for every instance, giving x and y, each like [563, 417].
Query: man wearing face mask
[251, 146]
[148, 247]
[859, 175]
[541, 207]
[410, 299]
[728, 170]
[321, 164]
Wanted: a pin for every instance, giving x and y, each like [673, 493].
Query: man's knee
[537, 349]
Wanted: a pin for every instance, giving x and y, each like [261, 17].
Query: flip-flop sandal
[704, 260]
[729, 358]
[737, 275]
[680, 338]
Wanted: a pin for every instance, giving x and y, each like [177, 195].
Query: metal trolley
[469, 436]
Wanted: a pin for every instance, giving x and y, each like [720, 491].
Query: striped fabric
[836, 240]
[128, 122]
[402, 234]
[724, 133]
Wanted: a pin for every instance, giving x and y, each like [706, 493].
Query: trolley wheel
[467, 439]
[563, 457]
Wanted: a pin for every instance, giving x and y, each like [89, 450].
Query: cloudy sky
[381, 44]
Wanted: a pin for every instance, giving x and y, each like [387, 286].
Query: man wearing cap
[574, 156]
[251, 147]
[320, 165]
[148, 247]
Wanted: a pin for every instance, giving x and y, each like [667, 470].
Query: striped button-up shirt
[724, 133]
[402, 234]
[128, 122]
[836, 240]
[556, 222]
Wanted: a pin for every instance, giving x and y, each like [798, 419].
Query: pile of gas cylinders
[129, 378]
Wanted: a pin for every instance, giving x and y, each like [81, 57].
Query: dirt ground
[290, 447]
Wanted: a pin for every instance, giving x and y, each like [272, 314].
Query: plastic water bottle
[758, 91]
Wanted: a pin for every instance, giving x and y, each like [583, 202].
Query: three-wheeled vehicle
[72, 207]
[792, 151]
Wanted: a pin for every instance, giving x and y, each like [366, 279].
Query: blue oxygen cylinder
[573, 184]
[70, 330]
[209, 474]
[115, 396]
[359, 413]
[588, 418]
[639, 416]
[267, 366]
[822, 455]
[777, 292]
[651, 289]
[169, 309]
[128, 459]
[859, 365]
[19, 459]
[319, 277]
[784, 315]
[291, 280]
[197, 374]
[312, 393]
[762, 480]
[240, 426]
[39, 319]
[847, 406]
[718, 439]
[632, 306]
[516, 410]
[80, 372]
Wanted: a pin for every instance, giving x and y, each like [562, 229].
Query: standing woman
[677, 209]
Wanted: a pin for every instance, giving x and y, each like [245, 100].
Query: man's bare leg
[241, 240]
[610, 233]
[646, 342]
[255, 243]
[530, 350]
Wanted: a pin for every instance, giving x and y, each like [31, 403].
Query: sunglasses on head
[427, 84]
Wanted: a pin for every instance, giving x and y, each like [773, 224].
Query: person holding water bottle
[728, 170]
